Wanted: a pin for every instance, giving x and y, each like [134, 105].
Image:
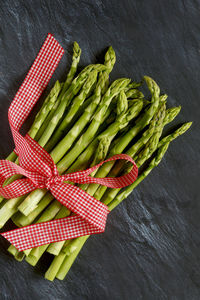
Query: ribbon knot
[52, 181]
[39, 171]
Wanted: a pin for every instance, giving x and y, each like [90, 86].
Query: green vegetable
[82, 122]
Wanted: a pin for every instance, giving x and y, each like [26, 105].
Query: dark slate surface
[150, 249]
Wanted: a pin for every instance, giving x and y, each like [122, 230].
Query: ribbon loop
[39, 170]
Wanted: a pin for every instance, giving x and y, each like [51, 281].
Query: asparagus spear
[53, 272]
[76, 104]
[116, 87]
[41, 115]
[134, 93]
[181, 130]
[124, 116]
[126, 139]
[65, 100]
[110, 59]
[21, 220]
[39, 120]
[66, 84]
[170, 114]
[109, 195]
[149, 113]
[62, 263]
[30, 203]
[151, 141]
[81, 123]
[75, 61]
[35, 254]
[48, 108]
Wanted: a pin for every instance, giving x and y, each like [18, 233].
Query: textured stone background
[150, 249]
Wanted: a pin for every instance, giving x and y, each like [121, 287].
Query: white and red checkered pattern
[39, 170]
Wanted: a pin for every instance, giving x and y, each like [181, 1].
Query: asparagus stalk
[181, 130]
[63, 262]
[66, 84]
[19, 256]
[77, 103]
[126, 139]
[54, 92]
[149, 113]
[55, 248]
[77, 128]
[41, 115]
[65, 100]
[67, 260]
[9, 209]
[170, 114]
[48, 108]
[123, 118]
[21, 220]
[30, 203]
[110, 59]
[39, 120]
[134, 93]
[151, 141]
[75, 61]
[116, 87]
[35, 254]
[112, 203]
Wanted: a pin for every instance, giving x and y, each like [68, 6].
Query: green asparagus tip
[122, 103]
[137, 105]
[110, 58]
[175, 111]
[152, 85]
[171, 114]
[102, 149]
[163, 97]
[185, 127]
[76, 49]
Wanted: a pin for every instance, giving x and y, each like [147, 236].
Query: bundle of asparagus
[83, 121]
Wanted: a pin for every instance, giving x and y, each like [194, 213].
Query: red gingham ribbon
[39, 170]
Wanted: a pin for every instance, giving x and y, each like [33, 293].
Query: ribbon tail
[49, 232]
[90, 218]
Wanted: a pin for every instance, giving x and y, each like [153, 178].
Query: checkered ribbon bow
[39, 170]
